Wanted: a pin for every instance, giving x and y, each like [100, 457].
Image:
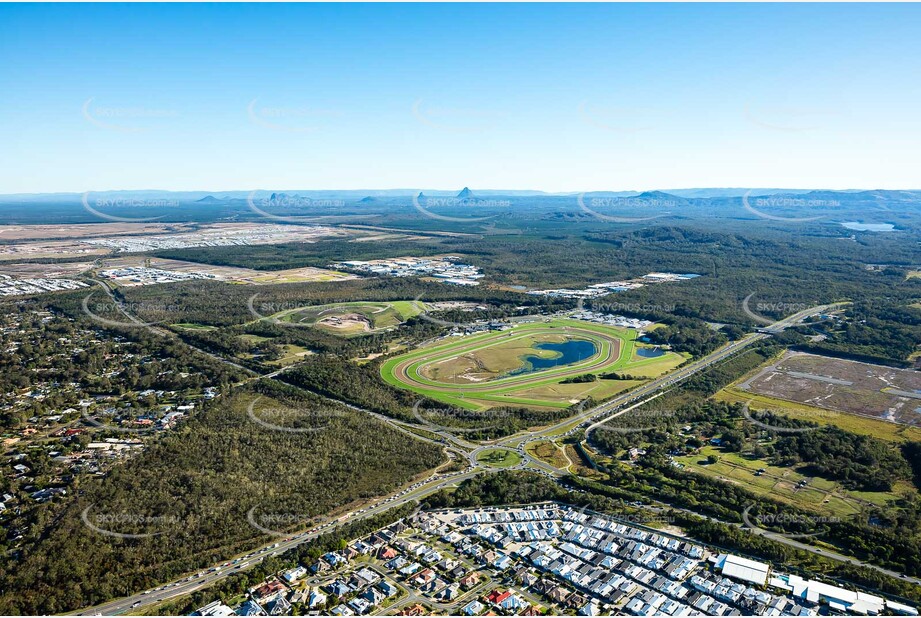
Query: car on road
[135, 604]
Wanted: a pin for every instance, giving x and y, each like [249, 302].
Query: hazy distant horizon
[408, 192]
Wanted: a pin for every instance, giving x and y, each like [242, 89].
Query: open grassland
[864, 425]
[549, 452]
[291, 353]
[599, 389]
[353, 318]
[229, 274]
[782, 483]
[847, 417]
[191, 326]
[490, 362]
[499, 458]
[478, 371]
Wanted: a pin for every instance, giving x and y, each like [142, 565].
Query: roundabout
[499, 458]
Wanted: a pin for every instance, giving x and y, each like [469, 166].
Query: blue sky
[551, 97]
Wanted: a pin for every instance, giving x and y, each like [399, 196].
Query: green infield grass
[352, 318]
[493, 368]
[499, 458]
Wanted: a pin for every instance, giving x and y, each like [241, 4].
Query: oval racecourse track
[614, 348]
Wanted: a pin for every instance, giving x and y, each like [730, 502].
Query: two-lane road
[421, 489]
[183, 587]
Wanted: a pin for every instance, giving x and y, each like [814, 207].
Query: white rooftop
[743, 569]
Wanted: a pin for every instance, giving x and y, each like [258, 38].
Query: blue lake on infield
[567, 353]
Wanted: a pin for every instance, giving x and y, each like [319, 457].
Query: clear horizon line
[410, 191]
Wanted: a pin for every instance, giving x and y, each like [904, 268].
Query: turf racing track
[614, 350]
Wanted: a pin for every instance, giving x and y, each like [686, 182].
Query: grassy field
[477, 371]
[854, 423]
[190, 326]
[864, 425]
[549, 452]
[820, 495]
[780, 483]
[292, 354]
[353, 318]
[491, 361]
[499, 458]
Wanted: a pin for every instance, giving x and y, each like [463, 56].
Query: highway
[668, 380]
[468, 450]
[194, 582]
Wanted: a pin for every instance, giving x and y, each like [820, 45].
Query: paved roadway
[191, 584]
[668, 380]
[466, 449]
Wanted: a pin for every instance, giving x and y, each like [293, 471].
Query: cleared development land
[509, 367]
[818, 410]
[32, 270]
[839, 385]
[353, 318]
[230, 274]
[95, 240]
[857, 397]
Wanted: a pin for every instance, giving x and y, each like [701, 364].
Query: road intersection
[461, 449]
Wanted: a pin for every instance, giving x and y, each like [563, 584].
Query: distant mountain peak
[655, 194]
[283, 196]
[208, 199]
[465, 193]
[368, 199]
